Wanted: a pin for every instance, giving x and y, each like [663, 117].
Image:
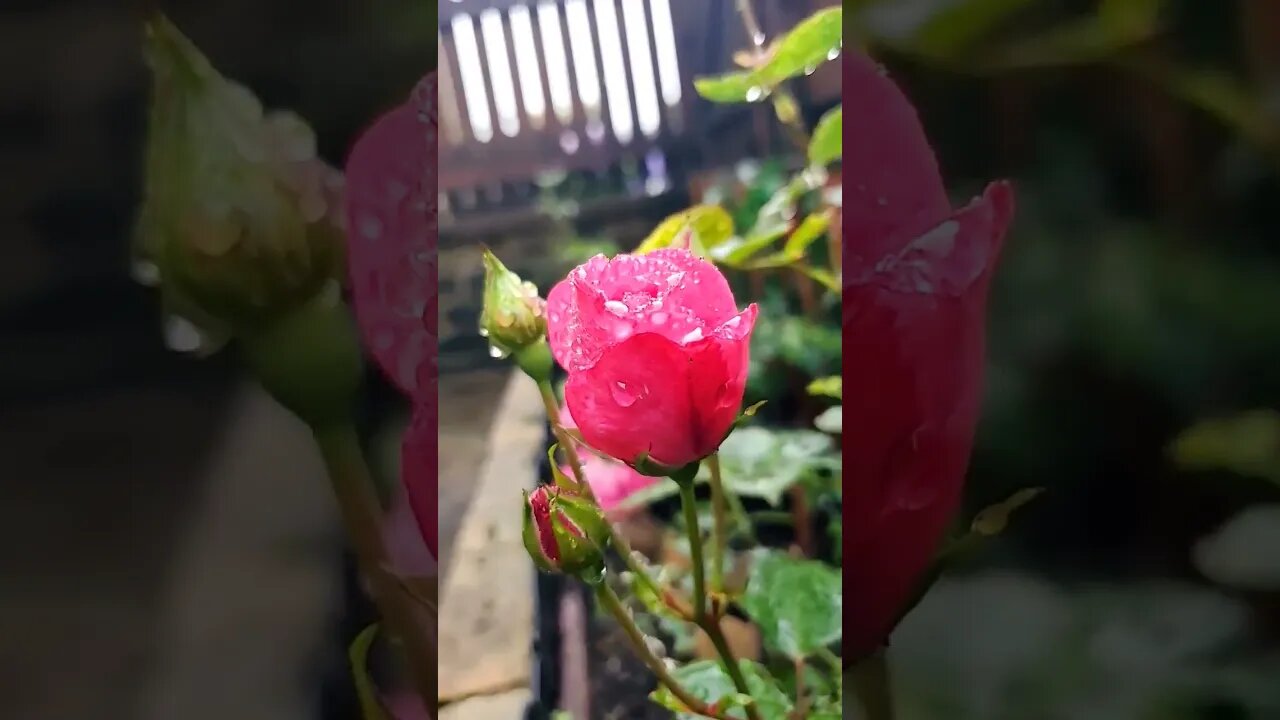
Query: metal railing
[597, 86]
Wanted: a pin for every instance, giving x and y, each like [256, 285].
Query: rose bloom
[391, 201]
[656, 352]
[916, 275]
[611, 482]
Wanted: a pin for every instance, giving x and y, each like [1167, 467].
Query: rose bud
[656, 353]
[391, 210]
[916, 275]
[513, 318]
[565, 534]
[240, 222]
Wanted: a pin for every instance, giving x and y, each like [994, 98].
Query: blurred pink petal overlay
[392, 225]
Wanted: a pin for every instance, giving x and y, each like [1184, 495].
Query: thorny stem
[710, 624]
[570, 449]
[871, 686]
[608, 599]
[362, 514]
[719, 535]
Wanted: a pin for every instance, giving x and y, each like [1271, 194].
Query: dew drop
[370, 227]
[733, 322]
[616, 307]
[484, 331]
[693, 335]
[810, 69]
[625, 395]
[835, 53]
[754, 94]
[496, 352]
[658, 318]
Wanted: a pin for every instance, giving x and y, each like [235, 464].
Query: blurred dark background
[167, 541]
[1134, 355]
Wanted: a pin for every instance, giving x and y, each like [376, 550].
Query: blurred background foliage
[1135, 353]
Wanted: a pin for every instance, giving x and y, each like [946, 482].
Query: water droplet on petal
[616, 307]
[693, 335]
[658, 318]
[733, 322]
[370, 227]
[625, 394]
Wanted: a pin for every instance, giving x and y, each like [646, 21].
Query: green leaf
[830, 386]
[960, 26]
[1077, 42]
[737, 251]
[358, 654]
[826, 145]
[711, 225]
[823, 277]
[1248, 445]
[814, 41]
[831, 420]
[762, 463]
[796, 603]
[756, 462]
[707, 681]
[1226, 98]
[813, 227]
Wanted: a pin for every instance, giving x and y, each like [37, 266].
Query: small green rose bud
[514, 316]
[240, 222]
[565, 533]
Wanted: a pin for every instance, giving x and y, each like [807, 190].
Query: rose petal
[670, 292]
[612, 482]
[914, 356]
[391, 211]
[651, 395]
[896, 191]
[419, 472]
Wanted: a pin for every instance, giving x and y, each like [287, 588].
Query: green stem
[608, 599]
[871, 686]
[362, 515]
[718, 533]
[688, 504]
[710, 624]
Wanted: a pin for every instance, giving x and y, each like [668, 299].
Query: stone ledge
[486, 608]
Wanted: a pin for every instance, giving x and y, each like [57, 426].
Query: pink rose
[916, 275]
[611, 482]
[656, 353]
[391, 228]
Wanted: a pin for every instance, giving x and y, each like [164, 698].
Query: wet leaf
[796, 603]
[814, 41]
[826, 145]
[707, 681]
[756, 462]
[813, 228]
[711, 225]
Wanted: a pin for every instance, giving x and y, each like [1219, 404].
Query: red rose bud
[656, 352]
[916, 275]
[564, 533]
[240, 222]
